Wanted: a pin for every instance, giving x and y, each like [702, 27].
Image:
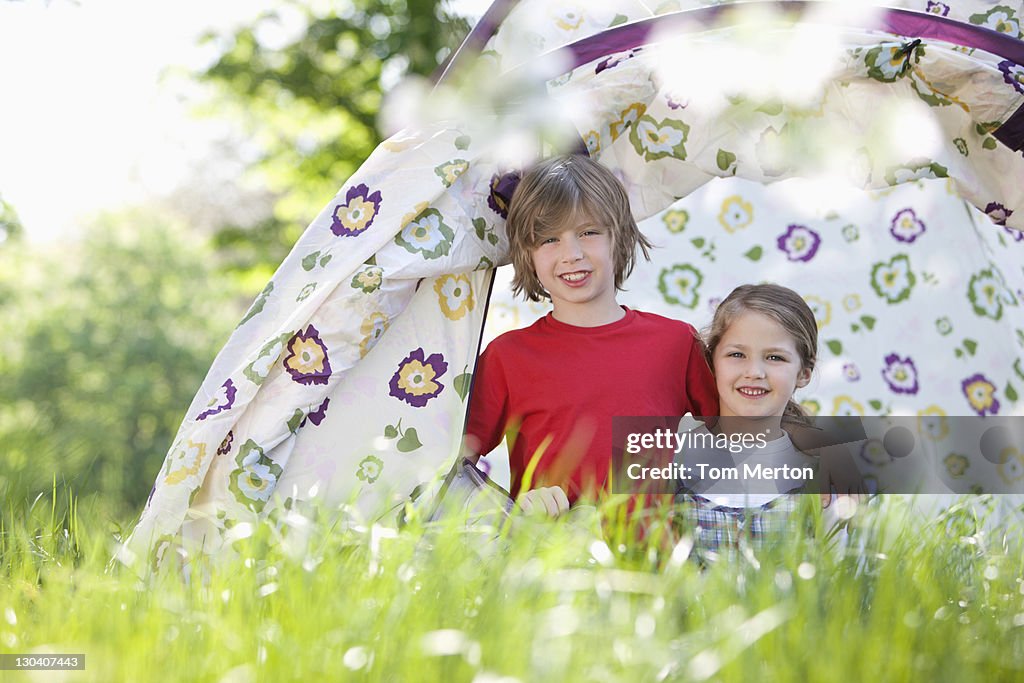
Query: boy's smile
[577, 269]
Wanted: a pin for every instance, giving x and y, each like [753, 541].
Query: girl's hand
[550, 500]
[838, 472]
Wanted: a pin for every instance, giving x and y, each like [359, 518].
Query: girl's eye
[734, 354]
[550, 240]
[591, 232]
[777, 357]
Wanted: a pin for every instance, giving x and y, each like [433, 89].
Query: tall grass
[325, 596]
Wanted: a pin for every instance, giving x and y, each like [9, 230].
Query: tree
[10, 224]
[309, 101]
[103, 347]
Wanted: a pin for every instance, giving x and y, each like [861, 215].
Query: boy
[554, 386]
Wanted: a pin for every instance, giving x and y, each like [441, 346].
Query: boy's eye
[777, 357]
[591, 232]
[550, 240]
[734, 354]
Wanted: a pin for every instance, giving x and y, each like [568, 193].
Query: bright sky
[86, 122]
[87, 119]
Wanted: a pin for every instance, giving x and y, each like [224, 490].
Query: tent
[869, 158]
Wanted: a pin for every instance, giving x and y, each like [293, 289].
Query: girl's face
[757, 367]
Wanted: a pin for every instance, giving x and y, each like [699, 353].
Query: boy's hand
[550, 500]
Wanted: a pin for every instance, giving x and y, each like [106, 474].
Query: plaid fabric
[717, 528]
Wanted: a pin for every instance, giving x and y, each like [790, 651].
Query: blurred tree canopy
[10, 225]
[307, 86]
[108, 335]
[103, 348]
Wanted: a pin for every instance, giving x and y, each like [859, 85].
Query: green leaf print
[409, 441]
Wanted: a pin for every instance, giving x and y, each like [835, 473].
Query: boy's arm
[470, 449]
[485, 428]
[700, 383]
[549, 500]
[488, 407]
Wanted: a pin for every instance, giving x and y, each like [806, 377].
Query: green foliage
[310, 105]
[105, 342]
[10, 225]
[325, 597]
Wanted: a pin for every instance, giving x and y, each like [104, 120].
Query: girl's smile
[757, 367]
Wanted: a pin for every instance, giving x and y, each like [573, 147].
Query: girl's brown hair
[555, 192]
[782, 305]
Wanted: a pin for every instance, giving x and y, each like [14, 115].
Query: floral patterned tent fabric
[917, 299]
[347, 379]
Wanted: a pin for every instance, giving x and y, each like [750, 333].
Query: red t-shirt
[554, 388]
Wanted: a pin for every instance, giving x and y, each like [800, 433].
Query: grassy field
[547, 601]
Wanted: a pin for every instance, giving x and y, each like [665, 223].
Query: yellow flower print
[368, 279]
[811, 407]
[851, 302]
[593, 141]
[956, 464]
[359, 213]
[822, 310]
[450, 171]
[401, 142]
[424, 232]
[845, 405]
[568, 18]
[455, 294]
[503, 317]
[1011, 470]
[932, 423]
[981, 394]
[735, 214]
[307, 357]
[372, 329]
[874, 452]
[412, 215]
[185, 462]
[628, 118]
[676, 220]
[417, 379]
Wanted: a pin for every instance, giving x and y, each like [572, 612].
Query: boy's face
[576, 266]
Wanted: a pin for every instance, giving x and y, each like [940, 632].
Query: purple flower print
[502, 188]
[1013, 74]
[675, 101]
[318, 415]
[799, 243]
[307, 360]
[900, 374]
[225, 445]
[906, 226]
[939, 8]
[416, 380]
[357, 213]
[981, 394]
[613, 61]
[998, 213]
[221, 401]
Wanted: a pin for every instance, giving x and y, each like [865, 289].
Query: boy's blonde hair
[555, 192]
[782, 305]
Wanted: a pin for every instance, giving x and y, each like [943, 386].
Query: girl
[762, 347]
